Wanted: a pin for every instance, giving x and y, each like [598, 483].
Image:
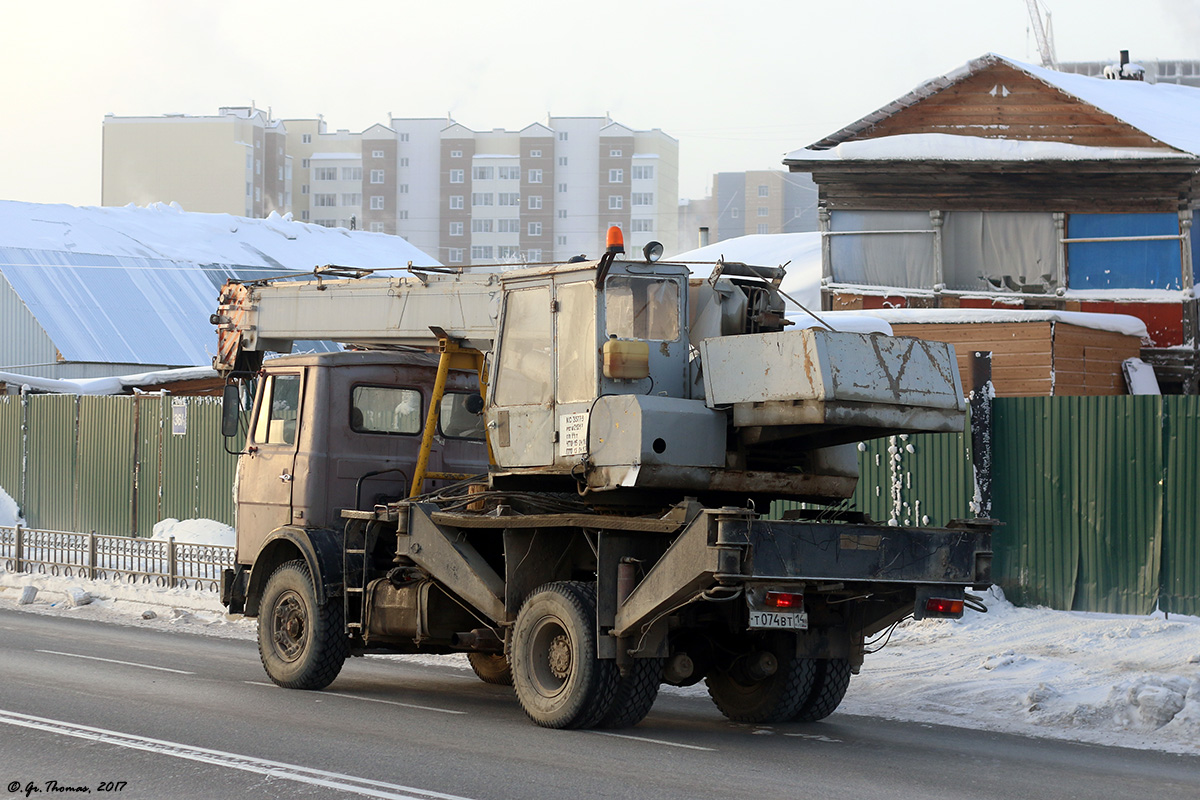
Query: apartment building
[236, 162]
[753, 202]
[545, 192]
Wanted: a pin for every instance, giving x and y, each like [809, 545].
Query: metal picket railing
[164, 564]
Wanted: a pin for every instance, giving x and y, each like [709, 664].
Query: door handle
[284, 476]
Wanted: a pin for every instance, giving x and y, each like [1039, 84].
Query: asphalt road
[91, 706]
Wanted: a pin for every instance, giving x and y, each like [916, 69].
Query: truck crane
[566, 472]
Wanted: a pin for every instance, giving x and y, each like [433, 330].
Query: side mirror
[231, 407]
[474, 404]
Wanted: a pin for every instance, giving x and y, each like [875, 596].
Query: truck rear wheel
[491, 668]
[635, 694]
[302, 644]
[559, 681]
[829, 688]
[767, 683]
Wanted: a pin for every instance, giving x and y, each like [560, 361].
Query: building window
[535, 202]
[643, 173]
[304, 163]
[481, 198]
[642, 199]
[352, 173]
[306, 138]
[404, 162]
[455, 255]
[510, 226]
[615, 202]
[534, 254]
[402, 188]
[402, 214]
[510, 173]
[508, 251]
[483, 173]
[457, 175]
[616, 176]
[303, 189]
[456, 201]
[763, 227]
[733, 213]
[562, 213]
[352, 199]
[280, 176]
[404, 137]
[763, 211]
[377, 227]
[762, 191]
[258, 166]
[304, 215]
[509, 199]
[641, 225]
[481, 226]
[562, 136]
[535, 153]
[324, 200]
[326, 223]
[456, 153]
[257, 194]
[562, 161]
[535, 176]
[562, 240]
[376, 154]
[614, 153]
[481, 251]
[456, 229]
[325, 174]
[377, 202]
[535, 229]
[376, 176]
[562, 187]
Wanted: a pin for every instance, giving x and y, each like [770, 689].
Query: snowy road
[170, 714]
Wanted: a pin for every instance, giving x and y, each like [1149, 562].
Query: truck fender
[321, 550]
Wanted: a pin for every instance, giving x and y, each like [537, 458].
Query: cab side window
[279, 410]
[385, 409]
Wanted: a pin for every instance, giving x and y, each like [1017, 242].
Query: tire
[635, 694]
[559, 681]
[829, 688]
[775, 698]
[302, 645]
[491, 668]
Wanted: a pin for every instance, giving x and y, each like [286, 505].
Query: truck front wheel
[559, 681]
[767, 682]
[302, 644]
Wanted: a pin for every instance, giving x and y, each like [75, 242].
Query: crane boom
[1043, 33]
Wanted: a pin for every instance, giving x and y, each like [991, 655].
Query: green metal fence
[114, 465]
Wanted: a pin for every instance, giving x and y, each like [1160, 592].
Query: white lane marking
[272, 769]
[654, 741]
[815, 737]
[114, 661]
[367, 699]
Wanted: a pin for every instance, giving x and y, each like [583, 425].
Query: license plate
[789, 620]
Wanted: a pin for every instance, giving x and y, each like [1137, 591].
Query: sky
[737, 83]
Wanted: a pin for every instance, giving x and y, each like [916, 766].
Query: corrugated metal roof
[137, 285]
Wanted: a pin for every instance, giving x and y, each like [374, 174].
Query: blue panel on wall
[1123, 265]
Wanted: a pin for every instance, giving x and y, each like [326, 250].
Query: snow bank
[195, 531]
[9, 513]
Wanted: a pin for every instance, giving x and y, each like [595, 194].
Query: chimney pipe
[1124, 57]
[704, 236]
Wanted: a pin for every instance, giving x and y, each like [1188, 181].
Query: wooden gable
[1002, 102]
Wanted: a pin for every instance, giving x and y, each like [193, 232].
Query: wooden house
[1009, 186]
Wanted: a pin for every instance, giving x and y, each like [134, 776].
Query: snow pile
[10, 515]
[195, 531]
[1101, 678]
[953, 147]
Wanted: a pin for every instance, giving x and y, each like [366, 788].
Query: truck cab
[332, 432]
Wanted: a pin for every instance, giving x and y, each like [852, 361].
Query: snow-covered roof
[137, 285]
[800, 251]
[1168, 112]
[953, 147]
[119, 384]
[1117, 323]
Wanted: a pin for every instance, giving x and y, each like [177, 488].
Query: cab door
[521, 406]
[266, 473]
